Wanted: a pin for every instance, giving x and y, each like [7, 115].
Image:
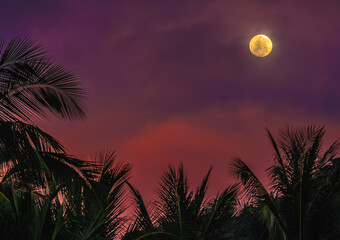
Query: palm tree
[36, 174]
[30, 84]
[32, 162]
[44, 192]
[181, 213]
[68, 209]
[32, 159]
[97, 211]
[303, 201]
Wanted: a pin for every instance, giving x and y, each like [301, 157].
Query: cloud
[211, 138]
[174, 81]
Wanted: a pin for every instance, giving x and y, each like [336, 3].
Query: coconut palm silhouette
[303, 201]
[181, 213]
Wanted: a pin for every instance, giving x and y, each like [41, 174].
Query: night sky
[172, 81]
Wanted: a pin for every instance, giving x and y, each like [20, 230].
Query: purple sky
[172, 81]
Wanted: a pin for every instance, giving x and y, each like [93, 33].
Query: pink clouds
[174, 142]
[170, 81]
[212, 138]
[198, 144]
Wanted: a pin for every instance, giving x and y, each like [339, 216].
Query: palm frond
[107, 194]
[33, 158]
[30, 85]
[255, 190]
[280, 170]
[220, 212]
[143, 221]
[199, 198]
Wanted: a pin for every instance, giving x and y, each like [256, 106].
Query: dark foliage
[303, 202]
[181, 213]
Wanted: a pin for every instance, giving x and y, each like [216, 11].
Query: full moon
[260, 45]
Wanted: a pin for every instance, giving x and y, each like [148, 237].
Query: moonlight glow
[260, 45]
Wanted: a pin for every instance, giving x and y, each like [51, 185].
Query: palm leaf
[31, 157]
[143, 220]
[255, 191]
[30, 84]
[220, 211]
[105, 199]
